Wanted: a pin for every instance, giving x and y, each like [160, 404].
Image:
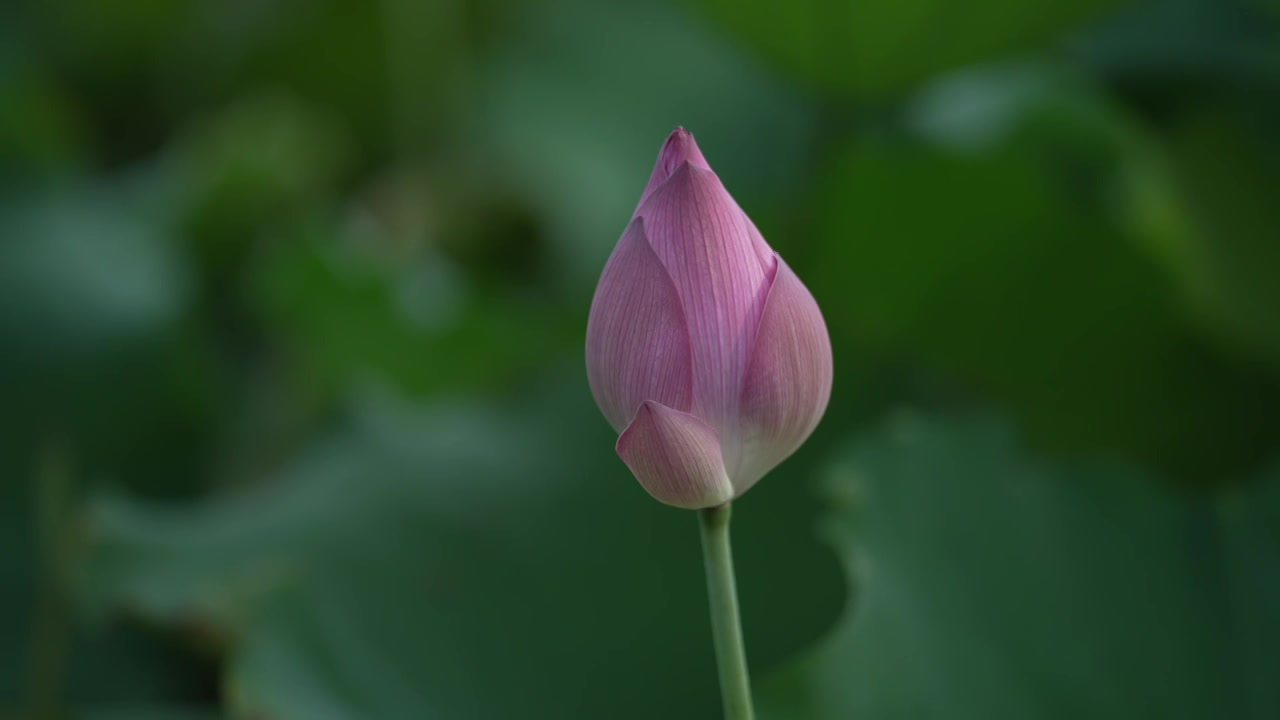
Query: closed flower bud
[704, 350]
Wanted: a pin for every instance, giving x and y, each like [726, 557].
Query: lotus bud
[704, 350]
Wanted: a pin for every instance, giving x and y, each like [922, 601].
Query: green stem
[731, 655]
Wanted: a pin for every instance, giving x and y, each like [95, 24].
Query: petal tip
[676, 457]
[680, 148]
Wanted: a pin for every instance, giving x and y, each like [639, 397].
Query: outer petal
[677, 150]
[676, 457]
[763, 252]
[788, 380]
[637, 338]
[705, 242]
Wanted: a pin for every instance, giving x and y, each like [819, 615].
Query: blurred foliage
[1054, 320]
[292, 297]
[1086, 590]
[871, 48]
[339, 590]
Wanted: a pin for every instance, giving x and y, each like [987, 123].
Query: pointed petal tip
[676, 457]
[679, 148]
[680, 140]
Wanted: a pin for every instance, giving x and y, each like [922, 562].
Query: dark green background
[293, 417]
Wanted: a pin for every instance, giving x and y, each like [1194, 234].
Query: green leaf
[96, 296]
[147, 712]
[84, 275]
[989, 584]
[345, 306]
[984, 242]
[1220, 173]
[870, 47]
[49, 663]
[264, 160]
[1174, 49]
[40, 135]
[459, 562]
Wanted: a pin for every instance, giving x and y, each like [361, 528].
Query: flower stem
[731, 656]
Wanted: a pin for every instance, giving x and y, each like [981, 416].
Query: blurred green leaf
[40, 134]
[873, 47]
[366, 304]
[1208, 75]
[89, 293]
[103, 37]
[1216, 224]
[1179, 48]
[329, 54]
[50, 663]
[990, 242]
[144, 68]
[18, 575]
[458, 562]
[991, 584]
[95, 292]
[83, 274]
[243, 171]
[144, 712]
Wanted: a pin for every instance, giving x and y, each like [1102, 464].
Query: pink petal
[788, 380]
[678, 149]
[676, 457]
[706, 244]
[764, 253]
[637, 338]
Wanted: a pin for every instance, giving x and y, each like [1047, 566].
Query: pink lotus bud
[704, 350]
